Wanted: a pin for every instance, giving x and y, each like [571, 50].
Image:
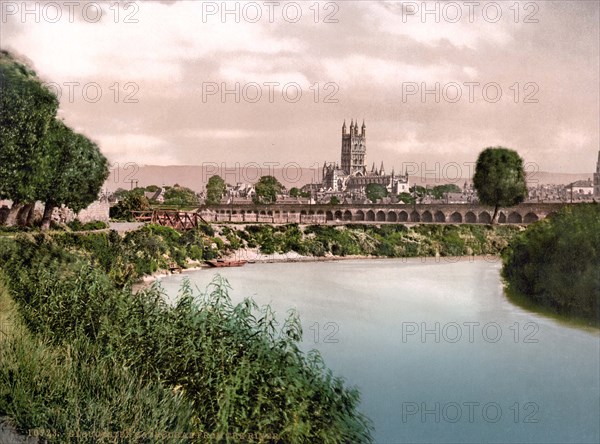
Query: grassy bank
[87, 361]
[370, 240]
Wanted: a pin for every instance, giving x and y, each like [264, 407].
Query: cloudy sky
[436, 82]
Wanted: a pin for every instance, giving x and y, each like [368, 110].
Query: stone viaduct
[376, 213]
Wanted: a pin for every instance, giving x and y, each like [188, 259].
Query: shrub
[555, 262]
[104, 358]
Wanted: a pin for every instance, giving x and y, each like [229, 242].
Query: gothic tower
[354, 149]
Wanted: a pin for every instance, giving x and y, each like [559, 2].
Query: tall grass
[92, 358]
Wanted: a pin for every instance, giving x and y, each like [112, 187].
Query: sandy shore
[254, 256]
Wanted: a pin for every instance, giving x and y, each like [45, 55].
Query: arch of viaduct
[343, 214]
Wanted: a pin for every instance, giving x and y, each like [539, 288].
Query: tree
[215, 190]
[75, 171]
[266, 190]
[133, 201]
[499, 178]
[181, 197]
[294, 192]
[27, 108]
[554, 263]
[439, 191]
[334, 200]
[407, 198]
[375, 192]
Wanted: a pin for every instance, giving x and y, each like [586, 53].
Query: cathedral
[351, 175]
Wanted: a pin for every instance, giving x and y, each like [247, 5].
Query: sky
[270, 83]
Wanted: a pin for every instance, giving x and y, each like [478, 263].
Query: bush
[100, 359]
[555, 263]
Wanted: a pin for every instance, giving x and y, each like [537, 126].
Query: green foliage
[180, 197]
[407, 198]
[387, 240]
[499, 178]
[75, 169]
[215, 367]
[266, 190]
[376, 192]
[76, 225]
[294, 192]
[215, 190]
[555, 263]
[132, 201]
[439, 191]
[27, 109]
[334, 200]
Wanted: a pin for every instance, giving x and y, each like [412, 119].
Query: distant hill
[196, 176]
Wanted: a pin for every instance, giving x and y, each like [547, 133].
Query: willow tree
[76, 170]
[499, 178]
[27, 108]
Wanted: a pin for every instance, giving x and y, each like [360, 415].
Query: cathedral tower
[354, 149]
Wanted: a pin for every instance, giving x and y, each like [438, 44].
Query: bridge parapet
[377, 213]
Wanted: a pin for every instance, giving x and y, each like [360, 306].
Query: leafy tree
[266, 190]
[294, 192]
[133, 201]
[499, 178]
[555, 263]
[334, 200]
[375, 192]
[152, 188]
[439, 191]
[75, 171]
[215, 190]
[180, 197]
[407, 198]
[27, 108]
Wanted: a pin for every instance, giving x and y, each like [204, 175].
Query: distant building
[581, 188]
[351, 175]
[157, 196]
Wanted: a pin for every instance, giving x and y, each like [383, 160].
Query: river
[438, 352]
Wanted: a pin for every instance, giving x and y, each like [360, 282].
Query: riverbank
[524, 302]
[255, 257]
[94, 361]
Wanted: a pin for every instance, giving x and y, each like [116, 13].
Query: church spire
[382, 170]
[344, 128]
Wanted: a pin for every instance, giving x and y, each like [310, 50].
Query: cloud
[139, 148]
[443, 23]
[153, 48]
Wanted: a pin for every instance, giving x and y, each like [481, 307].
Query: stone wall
[98, 210]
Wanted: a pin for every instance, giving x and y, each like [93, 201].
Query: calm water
[483, 371]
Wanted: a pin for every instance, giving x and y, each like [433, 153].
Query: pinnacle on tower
[382, 170]
[344, 127]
